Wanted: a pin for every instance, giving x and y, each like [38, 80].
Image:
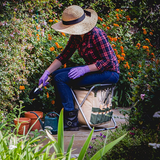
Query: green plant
[130, 147]
[59, 144]
[146, 90]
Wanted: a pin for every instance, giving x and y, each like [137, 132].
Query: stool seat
[94, 104]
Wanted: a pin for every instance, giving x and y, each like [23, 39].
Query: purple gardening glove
[44, 78]
[78, 71]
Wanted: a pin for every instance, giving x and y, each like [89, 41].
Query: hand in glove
[78, 72]
[44, 78]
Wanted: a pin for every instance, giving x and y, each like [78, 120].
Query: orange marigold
[122, 58]
[115, 39]
[108, 28]
[99, 18]
[144, 31]
[64, 66]
[22, 87]
[122, 49]
[51, 20]
[113, 45]
[104, 25]
[123, 54]
[49, 37]
[63, 34]
[116, 25]
[52, 49]
[117, 10]
[128, 18]
[151, 33]
[147, 40]
[138, 45]
[53, 102]
[57, 45]
[47, 95]
[145, 47]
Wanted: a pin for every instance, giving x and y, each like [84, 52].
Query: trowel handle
[41, 85]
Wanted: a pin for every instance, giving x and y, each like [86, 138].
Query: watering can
[50, 123]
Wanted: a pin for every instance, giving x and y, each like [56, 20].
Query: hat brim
[80, 28]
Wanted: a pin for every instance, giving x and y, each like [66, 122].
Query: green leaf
[85, 146]
[104, 150]
[68, 154]
[61, 133]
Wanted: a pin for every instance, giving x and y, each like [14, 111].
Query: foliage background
[28, 46]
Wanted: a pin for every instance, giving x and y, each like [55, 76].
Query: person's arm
[93, 68]
[54, 66]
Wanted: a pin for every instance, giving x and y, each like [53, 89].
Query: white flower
[12, 147]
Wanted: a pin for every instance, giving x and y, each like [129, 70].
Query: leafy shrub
[146, 100]
[133, 146]
[29, 45]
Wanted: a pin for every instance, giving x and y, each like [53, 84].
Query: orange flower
[49, 37]
[145, 47]
[122, 58]
[123, 54]
[116, 25]
[53, 102]
[52, 49]
[128, 18]
[115, 39]
[118, 56]
[138, 45]
[144, 31]
[38, 39]
[108, 28]
[152, 54]
[139, 66]
[65, 65]
[63, 34]
[45, 87]
[117, 10]
[99, 18]
[37, 27]
[147, 40]
[113, 45]
[57, 45]
[47, 95]
[119, 61]
[122, 49]
[116, 51]
[129, 73]
[126, 65]
[22, 87]
[50, 20]
[55, 20]
[104, 25]
[151, 33]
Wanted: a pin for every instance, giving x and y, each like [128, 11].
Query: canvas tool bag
[96, 108]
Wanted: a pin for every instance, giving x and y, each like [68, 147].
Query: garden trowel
[36, 90]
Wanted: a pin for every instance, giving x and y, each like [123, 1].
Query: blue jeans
[62, 84]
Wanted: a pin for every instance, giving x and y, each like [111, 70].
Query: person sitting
[93, 46]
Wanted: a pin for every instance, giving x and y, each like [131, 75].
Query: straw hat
[76, 21]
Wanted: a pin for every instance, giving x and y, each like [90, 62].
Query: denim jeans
[62, 84]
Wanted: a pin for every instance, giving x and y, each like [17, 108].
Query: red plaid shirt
[94, 49]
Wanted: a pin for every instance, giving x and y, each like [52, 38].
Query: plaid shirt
[94, 49]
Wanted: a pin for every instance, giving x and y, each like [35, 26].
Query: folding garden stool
[94, 104]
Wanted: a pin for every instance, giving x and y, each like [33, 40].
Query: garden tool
[36, 90]
[50, 122]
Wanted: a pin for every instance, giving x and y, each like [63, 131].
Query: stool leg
[80, 105]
